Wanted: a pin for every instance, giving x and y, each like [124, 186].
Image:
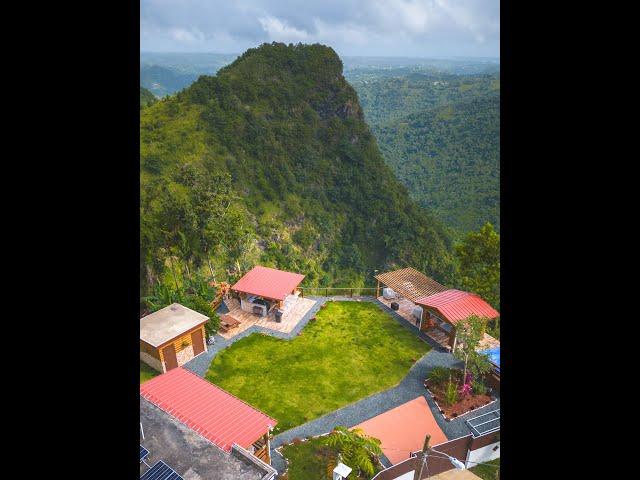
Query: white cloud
[186, 36]
[280, 31]
[351, 27]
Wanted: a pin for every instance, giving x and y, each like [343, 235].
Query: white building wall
[483, 454]
[406, 476]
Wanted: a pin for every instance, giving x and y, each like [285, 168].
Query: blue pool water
[494, 355]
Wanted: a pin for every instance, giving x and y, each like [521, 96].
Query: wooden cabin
[171, 337]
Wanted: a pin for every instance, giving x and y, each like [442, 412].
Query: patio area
[405, 311]
[296, 308]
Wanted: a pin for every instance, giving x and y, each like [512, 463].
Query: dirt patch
[465, 404]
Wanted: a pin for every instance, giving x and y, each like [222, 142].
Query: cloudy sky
[415, 28]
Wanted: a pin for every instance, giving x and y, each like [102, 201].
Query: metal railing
[494, 416]
[338, 291]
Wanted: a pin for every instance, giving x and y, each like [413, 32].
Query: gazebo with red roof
[210, 411]
[268, 283]
[452, 306]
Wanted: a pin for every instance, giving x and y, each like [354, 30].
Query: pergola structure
[410, 283]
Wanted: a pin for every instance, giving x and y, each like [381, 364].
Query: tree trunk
[173, 271]
[464, 373]
[213, 275]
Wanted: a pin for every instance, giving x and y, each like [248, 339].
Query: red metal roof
[268, 282]
[207, 409]
[456, 305]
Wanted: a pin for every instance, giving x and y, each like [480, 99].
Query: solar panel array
[143, 453]
[161, 471]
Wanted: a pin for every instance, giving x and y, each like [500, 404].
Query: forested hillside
[164, 81]
[449, 159]
[146, 98]
[440, 134]
[271, 162]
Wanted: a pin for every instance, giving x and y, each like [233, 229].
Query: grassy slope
[146, 372]
[486, 472]
[351, 351]
[146, 98]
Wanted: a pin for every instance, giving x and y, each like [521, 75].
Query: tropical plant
[469, 334]
[479, 264]
[466, 385]
[479, 388]
[357, 449]
[195, 293]
[451, 394]
[438, 375]
[493, 328]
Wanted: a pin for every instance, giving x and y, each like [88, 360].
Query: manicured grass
[487, 471]
[146, 372]
[310, 460]
[352, 350]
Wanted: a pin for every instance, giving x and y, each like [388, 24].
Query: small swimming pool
[494, 355]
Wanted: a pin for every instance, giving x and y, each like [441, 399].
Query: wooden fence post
[423, 459]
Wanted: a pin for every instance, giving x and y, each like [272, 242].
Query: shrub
[478, 387]
[451, 394]
[439, 375]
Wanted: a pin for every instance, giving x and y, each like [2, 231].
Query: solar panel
[143, 453]
[161, 471]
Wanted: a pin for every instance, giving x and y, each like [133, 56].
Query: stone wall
[185, 355]
[152, 362]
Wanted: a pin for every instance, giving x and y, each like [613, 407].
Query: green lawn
[487, 471]
[352, 350]
[310, 460]
[146, 372]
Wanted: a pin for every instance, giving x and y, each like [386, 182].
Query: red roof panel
[207, 409]
[456, 305]
[268, 282]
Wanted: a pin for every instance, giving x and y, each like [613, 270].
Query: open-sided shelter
[263, 288]
[446, 309]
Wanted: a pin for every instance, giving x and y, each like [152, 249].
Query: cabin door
[197, 341]
[170, 359]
